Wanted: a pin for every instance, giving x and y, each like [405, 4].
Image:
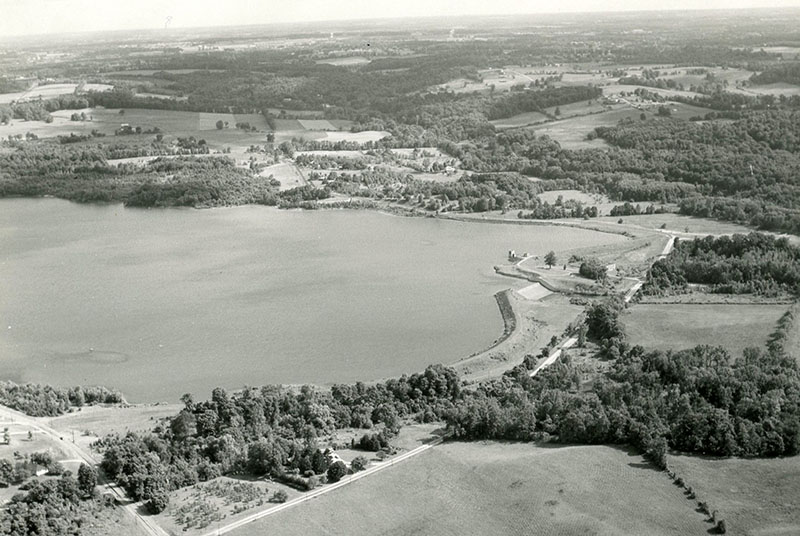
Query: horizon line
[683, 9]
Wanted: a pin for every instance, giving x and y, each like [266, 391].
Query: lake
[158, 303]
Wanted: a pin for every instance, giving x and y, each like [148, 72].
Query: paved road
[325, 489]
[78, 454]
[569, 343]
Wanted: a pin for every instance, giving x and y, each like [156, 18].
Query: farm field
[682, 326]
[500, 488]
[171, 123]
[756, 497]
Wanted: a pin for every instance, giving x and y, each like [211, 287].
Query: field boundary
[328, 488]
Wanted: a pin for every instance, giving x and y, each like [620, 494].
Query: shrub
[359, 463]
[336, 471]
[279, 496]
[593, 269]
[159, 500]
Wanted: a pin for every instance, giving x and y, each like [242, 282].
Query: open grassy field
[287, 173]
[312, 128]
[104, 420]
[500, 488]
[681, 326]
[520, 120]
[576, 195]
[754, 497]
[778, 88]
[577, 108]
[676, 222]
[571, 132]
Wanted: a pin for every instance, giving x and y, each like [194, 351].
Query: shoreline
[513, 318]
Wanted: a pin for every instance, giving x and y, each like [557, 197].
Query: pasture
[755, 497]
[683, 326]
[499, 488]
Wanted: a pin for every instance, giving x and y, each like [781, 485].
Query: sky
[31, 17]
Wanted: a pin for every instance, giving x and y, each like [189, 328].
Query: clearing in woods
[500, 488]
[682, 326]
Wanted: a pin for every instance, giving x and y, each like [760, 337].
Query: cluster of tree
[783, 332]
[200, 182]
[271, 430]
[593, 268]
[759, 214]
[660, 83]
[788, 72]
[301, 194]
[536, 101]
[54, 507]
[48, 401]
[546, 211]
[628, 209]
[753, 263]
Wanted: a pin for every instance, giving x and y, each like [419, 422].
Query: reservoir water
[158, 303]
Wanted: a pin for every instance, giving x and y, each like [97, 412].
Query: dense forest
[755, 263]
[54, 507]
[787, 72]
